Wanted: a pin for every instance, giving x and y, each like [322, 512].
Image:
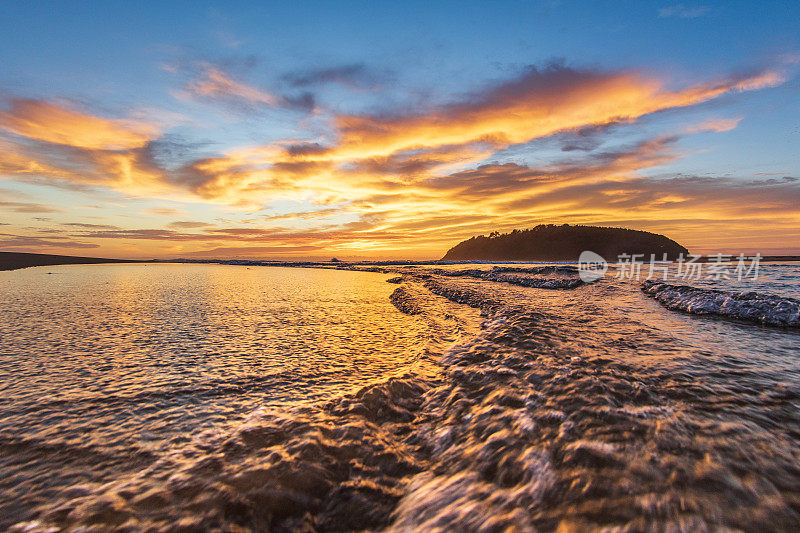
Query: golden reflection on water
[146, 327]
[128, 359]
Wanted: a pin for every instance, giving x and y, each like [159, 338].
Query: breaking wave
[750, 306]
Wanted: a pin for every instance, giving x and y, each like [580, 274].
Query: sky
[389, 130]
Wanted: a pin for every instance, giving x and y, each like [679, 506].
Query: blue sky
[208, 96]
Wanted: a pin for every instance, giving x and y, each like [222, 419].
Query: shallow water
[569, 409]
[106, 366]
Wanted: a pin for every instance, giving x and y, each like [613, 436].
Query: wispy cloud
[354, 76]
[682, 11]
[188, 224]
[27, 207]
[84, 225]
[163, 211]
[716, 125]
[255, 251]
[24, 243]
[213, 84]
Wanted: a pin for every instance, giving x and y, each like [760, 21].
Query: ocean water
[107, 367]
[198, 397]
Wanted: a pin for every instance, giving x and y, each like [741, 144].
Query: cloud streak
[682, 11]
[44, 121]
[215, 85]
[356, 76]
[26, 207]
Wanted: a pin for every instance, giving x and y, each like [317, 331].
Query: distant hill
[15, 260]
[549, 242]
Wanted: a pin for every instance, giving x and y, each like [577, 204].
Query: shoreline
[19, 260]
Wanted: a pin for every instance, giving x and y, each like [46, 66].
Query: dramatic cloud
[411, 180]
[54, 144]
[539, 103]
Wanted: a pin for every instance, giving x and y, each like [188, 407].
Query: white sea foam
[751, 306]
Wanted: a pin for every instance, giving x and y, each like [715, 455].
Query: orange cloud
[715, 125]
[215, 83]
[50, 123]
[539, 104]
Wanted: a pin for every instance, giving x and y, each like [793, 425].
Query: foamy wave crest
[405, 300]
[750, 306]
[544, 277]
